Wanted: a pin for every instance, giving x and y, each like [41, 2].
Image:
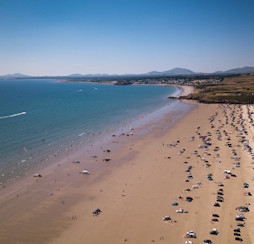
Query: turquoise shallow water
[39, 118]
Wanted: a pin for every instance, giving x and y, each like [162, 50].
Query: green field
[237, 89]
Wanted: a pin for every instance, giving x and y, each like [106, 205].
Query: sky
[63, 37]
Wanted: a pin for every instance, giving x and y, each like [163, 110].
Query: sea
[41, 118]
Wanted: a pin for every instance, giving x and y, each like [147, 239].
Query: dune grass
[238, 89]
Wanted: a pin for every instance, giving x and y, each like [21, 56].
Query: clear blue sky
[61, 37]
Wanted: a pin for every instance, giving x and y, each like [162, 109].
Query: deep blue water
[47, 116]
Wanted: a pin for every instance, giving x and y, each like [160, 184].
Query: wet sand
[136, 188]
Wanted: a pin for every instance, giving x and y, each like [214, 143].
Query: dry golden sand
[186, 90]
[135, 190]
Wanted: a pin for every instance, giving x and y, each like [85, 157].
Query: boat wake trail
[13, 115]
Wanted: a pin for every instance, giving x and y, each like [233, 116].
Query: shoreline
[134, 190]
[47, 149]
[187, 90]
[94, 144]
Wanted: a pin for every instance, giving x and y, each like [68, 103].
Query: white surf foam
[13, 115]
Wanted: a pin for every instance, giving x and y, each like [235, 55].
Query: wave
[13, 115]
[82, 134]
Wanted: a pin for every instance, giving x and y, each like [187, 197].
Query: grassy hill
[237, 89]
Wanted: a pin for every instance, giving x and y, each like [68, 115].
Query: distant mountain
[244, 70]
[153, 73]
[175, 71]
[87, 75]
[14, 76]
[75, 75]
[172, 72]
[97, 75]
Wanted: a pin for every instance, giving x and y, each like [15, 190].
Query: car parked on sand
[189, 199]
[166, 218]
[190, 234]
[181, 211]
[96, 212]
[214, 232]
[207, 241]
[237, 230]
[239, 239]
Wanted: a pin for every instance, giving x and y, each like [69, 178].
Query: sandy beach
[135, 189]
[186, 90]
